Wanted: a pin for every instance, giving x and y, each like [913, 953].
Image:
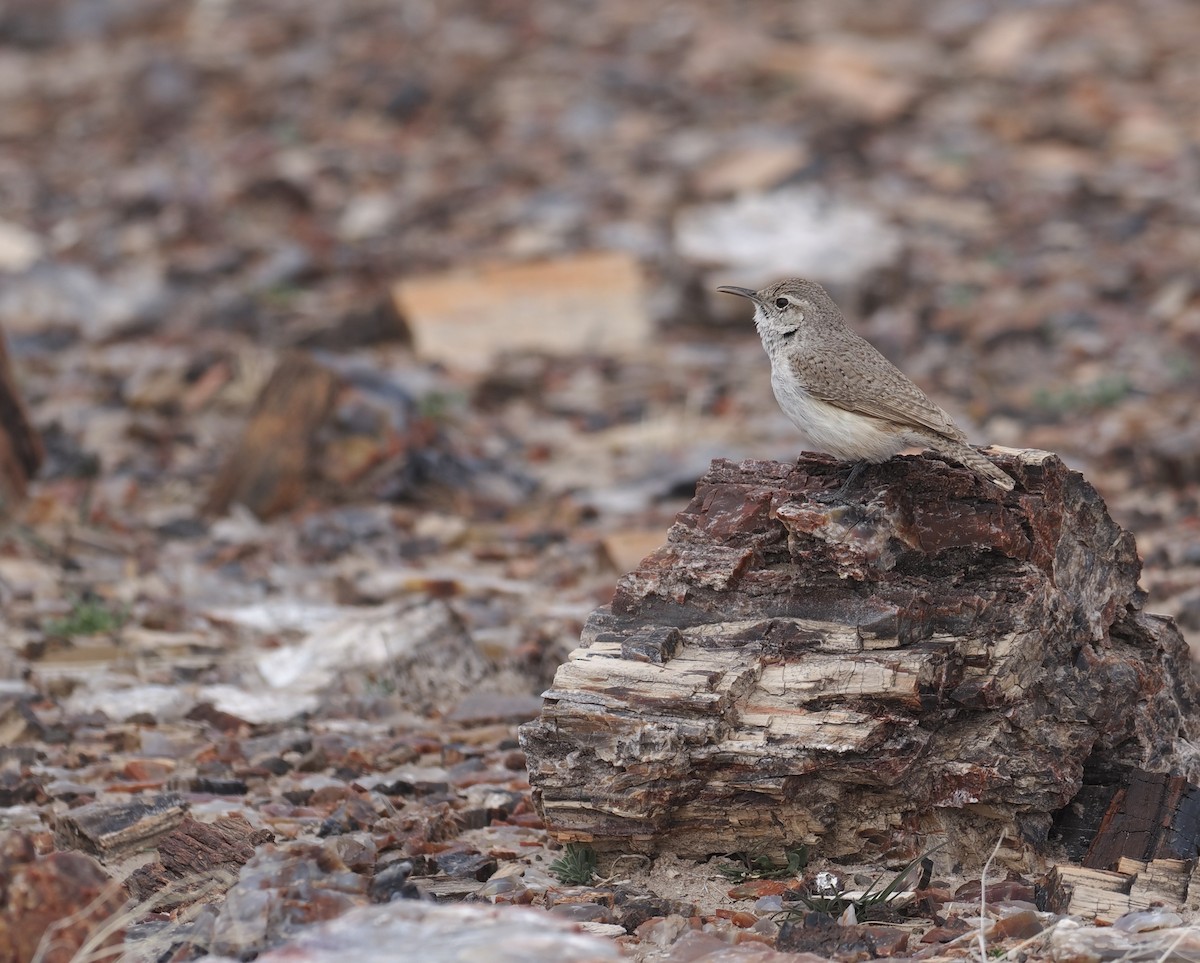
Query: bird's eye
[781, 302]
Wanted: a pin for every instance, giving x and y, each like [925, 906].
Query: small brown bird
[848, 399]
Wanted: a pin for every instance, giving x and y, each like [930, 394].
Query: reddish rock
[147, 772]
[1019, 926]
[756, 888]
[737, 918]
[951, 930]
[40, 892]
[1002, 890]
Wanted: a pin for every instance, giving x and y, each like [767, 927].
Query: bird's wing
[876, 388]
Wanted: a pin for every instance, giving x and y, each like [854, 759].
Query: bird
[847, 398]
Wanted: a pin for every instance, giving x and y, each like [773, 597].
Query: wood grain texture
[932, 662]
[21, 451]
[269, 469]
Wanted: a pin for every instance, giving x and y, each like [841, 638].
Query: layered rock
[928, 660]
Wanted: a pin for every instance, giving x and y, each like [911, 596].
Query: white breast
[834, 431]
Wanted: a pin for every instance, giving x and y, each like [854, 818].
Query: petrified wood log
[931, 661]
[1103, 895]
[268, 470]
[192, 859]
[21, 451]
[115, 829]
[1130, 814]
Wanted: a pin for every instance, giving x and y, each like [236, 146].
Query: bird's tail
[966, 455]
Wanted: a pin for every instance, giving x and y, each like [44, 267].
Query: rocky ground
[1004, 199]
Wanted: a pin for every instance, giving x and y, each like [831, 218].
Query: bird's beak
[740, 292]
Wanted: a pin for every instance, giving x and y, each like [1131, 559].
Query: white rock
[259, 706]
[163, 702]
[50, 295]
[421, 648]
[792, 232]
[19, 247]
[367, 216]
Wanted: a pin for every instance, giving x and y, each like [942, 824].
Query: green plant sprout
[748, 866]
[88, 616]
[576, 866]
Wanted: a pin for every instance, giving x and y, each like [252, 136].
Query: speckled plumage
[840, 391]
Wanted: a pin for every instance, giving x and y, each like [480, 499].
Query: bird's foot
[840, 493]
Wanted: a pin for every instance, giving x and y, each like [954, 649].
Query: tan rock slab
[586, 303]
[757, 167]
[626, 548]
[847, 73]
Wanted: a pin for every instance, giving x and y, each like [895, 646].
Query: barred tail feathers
[968, 456]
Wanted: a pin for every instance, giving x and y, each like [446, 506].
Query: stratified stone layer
[932, 660]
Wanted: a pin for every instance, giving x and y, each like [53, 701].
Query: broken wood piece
[930, 662]
[1104, 895]
[191, 854]
[21, 451]
[117, 829]
[1150, 815]
[1122, 813]
[270, 468]
[1163, 880]
[586, 303]
[1089, 893]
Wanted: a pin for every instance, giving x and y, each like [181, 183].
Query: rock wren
[848, 399]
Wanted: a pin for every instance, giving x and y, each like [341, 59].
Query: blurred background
[297, 292]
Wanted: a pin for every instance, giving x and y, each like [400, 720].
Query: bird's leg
[838, 495]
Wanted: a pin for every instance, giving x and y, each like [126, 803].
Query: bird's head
[782, 308]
